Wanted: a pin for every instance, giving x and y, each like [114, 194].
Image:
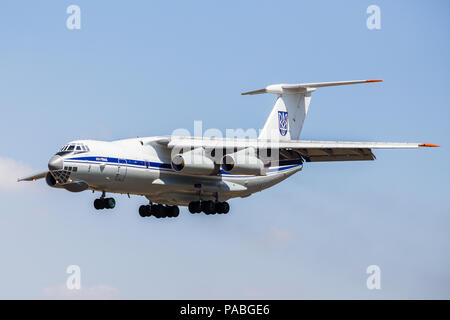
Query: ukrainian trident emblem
[283, 122]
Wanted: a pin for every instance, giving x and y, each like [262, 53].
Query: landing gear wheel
[195, 207]
[143, 211]
[166, 211]
[110, 203]
[158, 211]
[99, 204]
[219, 207]
[222, 207]
[208, 207]
[225, 207]
[104, 203]
[174, 211]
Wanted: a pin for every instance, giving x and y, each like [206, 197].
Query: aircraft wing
[34, 177]
[310, 151]
[321, 151]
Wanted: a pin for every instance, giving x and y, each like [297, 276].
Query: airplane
[203, 173]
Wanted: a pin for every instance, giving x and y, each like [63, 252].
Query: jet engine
[243, 162]
[194, 162]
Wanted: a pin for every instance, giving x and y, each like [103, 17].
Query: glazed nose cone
[55, 163]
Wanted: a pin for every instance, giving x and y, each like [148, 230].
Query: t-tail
[285, 122]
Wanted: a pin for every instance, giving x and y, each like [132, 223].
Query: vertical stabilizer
[286, 119]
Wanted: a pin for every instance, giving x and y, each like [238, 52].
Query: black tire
[99, 204]
[208, 207]
[158, 211]
[192, 207]
[165, 211]
[110, 203]
[226, 207]
[195, 207]
[143, 211]
[175, 211]
[219, 207]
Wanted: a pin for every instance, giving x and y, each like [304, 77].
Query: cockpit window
[73, 148]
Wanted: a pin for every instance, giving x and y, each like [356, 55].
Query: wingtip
[429, 145]
[374, 80]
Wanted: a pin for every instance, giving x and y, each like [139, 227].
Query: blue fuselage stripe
[147, 164]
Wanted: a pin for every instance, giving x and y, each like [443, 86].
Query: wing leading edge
[34, 177]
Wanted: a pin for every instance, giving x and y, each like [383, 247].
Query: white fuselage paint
[140, 166]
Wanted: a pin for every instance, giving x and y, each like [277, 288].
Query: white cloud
[280, 237]
[10, 171]
[274, 237]
[98, 292]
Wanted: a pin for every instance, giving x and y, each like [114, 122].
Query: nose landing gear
[104, 203]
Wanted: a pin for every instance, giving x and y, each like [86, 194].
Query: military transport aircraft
[203, 173]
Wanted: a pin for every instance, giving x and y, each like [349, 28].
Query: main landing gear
[159, 211]
[209, 207]
[104, 203]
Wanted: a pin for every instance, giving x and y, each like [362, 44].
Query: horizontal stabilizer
[303, 87]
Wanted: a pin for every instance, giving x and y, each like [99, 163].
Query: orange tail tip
[374, 80]
[429, 145]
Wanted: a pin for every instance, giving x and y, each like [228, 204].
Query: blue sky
[145, 68]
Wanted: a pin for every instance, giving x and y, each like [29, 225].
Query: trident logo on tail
[283, 122]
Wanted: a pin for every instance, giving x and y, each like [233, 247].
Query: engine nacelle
[243, 162]
[194, 162]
